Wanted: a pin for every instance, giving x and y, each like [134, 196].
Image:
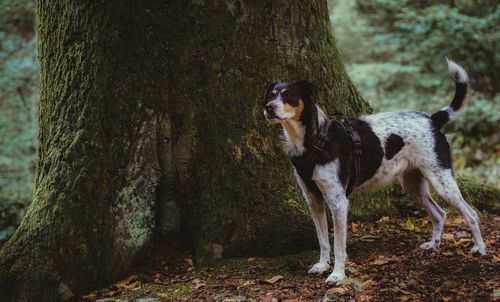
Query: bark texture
[148, 105]
[236, 189]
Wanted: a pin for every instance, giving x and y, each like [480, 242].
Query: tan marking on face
[298, 110]
[294, 112]
[283, 90]
[274, 91]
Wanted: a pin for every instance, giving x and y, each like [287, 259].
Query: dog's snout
[269, 108]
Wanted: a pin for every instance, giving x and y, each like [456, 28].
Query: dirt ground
[385, 264]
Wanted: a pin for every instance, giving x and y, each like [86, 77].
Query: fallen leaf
[250, 259]
[352, 270]
[372, 257]
[197, 283]
[461, 234]
[90, 297]
[162, 295]
[408, 225]
[383, 219]
[379, 262]
[131, 283]
[337, 290]
[274, 279]
[109, 293]
[220, 296]
[369, 237]
[448, 236]
[496, 292]
[247, 283]
[369, 282]
[188, 262]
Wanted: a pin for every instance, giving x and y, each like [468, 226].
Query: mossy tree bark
[145, 103]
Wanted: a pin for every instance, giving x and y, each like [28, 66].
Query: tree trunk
[148, 108]
[237, 191]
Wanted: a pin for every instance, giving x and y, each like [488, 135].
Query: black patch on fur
[371, 158]
[393, 145]
[458, 99]
[276, 85]
[442, 149]
[440, 118]
[340, 146]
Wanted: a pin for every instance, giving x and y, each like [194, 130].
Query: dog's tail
[443, 116]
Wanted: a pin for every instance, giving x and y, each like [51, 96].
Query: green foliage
[18, 103]
[395, 53]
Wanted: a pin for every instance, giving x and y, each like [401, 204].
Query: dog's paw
[335, 278]
[478, 248]
[434, 244]
[319, 268]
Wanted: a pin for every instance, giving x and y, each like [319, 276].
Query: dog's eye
[271, 94]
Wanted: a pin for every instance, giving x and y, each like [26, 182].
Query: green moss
[392, 200]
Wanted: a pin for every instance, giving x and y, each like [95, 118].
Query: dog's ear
[304, 90]
[268, 90]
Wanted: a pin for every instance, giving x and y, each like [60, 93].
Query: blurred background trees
[18, 110]
[394, 51]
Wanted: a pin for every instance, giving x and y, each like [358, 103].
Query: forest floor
[385, 264]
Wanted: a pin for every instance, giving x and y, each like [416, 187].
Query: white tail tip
[457, 72]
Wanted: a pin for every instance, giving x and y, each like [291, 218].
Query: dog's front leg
[318, 215]
[317, 208]
[338, 204]
[326, 177]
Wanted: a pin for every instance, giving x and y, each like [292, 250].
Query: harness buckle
[357, 148]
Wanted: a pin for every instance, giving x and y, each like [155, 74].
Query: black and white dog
[407, 146]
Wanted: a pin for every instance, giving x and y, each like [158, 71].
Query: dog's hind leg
[338, 204]
[318, 214]
[446, 186]
[417, 187]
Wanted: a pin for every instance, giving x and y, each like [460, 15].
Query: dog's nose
[269, 109]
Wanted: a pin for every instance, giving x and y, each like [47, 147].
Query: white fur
[416, 132]
[457, 72]
[451, 112]
[293, 147]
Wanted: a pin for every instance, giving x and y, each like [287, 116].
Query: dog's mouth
[271, 116]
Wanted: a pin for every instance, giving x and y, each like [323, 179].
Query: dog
[407, 146]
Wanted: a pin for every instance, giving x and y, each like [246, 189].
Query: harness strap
[310, 157]
[357, 151]
[308, 160]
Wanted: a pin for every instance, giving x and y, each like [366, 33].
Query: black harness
[356, 153]
[307, 161]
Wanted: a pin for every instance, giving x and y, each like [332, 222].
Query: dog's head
[288, 101]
